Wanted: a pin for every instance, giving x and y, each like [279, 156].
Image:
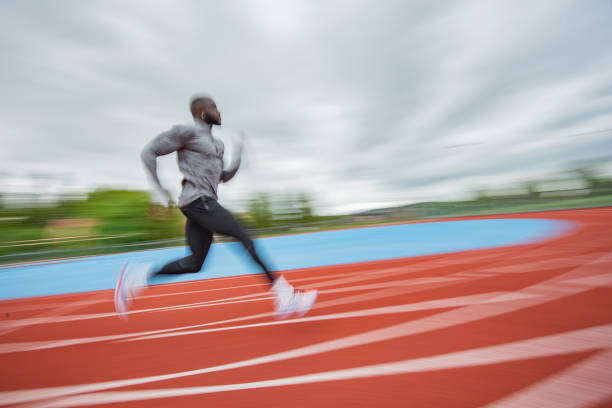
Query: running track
[526, 325]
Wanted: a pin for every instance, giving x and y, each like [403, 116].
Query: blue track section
[285, 252]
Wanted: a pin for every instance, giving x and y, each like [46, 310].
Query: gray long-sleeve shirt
[200, 159]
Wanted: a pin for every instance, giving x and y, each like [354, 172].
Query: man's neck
[205, 125]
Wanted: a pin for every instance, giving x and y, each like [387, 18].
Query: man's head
[205, 109]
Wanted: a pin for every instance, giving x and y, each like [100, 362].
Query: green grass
[571, 203]
[584, 202]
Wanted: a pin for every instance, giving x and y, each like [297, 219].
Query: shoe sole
[284, 315]
[306, 308]
[118, 290]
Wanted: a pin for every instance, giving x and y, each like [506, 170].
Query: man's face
[211, 114]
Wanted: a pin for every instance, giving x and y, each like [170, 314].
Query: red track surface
[523, 326]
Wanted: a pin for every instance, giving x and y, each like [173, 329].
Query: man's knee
[193, 265]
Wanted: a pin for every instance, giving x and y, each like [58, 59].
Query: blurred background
[355, 112]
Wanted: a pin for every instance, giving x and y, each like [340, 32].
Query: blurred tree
[589, 173]
[260, 210]
[531, 189]
[481, 196]
[165, 222]
[305, 208]
[119, 211]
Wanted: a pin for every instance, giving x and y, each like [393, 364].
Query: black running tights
[205, 216]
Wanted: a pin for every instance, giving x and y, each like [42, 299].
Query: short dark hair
[198, 102]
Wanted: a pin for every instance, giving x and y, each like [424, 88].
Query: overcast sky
[358, 103]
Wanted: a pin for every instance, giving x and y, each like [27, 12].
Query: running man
[200, 159]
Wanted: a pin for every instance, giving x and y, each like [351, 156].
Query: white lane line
[189, 292]
[593, 281]
[34, 321]
[378, 274]
[372, 336]
[4, 308]
[537, 294]
[62, 319]
[48, 316]
[572, 261]
[253, 297]
[470, 313]
[481, 275]
[414, 281]
[592, 338]
[266, 285]
[546, 287]
[448, 260]
[405, 308]
[373, 273]
[586, 383]
[46, 344]
[550, 289]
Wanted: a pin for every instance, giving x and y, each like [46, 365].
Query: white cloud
[357, 103]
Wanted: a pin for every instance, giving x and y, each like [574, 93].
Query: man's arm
[227, 175]
[165, 143]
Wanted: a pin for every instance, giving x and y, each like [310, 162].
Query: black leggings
[205, 216]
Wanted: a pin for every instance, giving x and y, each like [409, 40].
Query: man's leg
[199, 240]
[134, 277]
[213, 217]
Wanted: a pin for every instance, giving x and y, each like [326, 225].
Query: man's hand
[227, 175]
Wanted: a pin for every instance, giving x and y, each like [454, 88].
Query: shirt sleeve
[165, 143]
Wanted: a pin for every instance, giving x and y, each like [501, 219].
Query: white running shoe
[132, 279]
[284, 294]
[290, 301]
[306, 301]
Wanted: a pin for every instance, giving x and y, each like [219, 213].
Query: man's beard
[212, 120]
